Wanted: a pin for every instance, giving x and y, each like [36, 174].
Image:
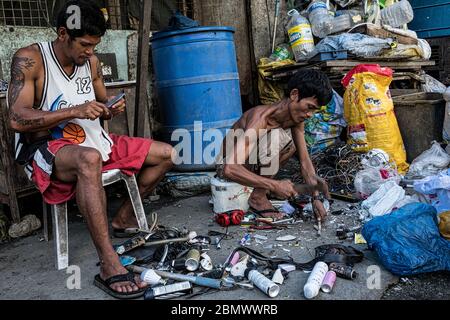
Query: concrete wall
[262, 14]
[14, 38]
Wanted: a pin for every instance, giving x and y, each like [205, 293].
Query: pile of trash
[176, 263]
[321, 29]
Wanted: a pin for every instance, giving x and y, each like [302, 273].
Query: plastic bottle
[398, 14]
[261, 282]
[281, 52]
[321, 21]
[315, 280]
[341, 23]
[300, 35]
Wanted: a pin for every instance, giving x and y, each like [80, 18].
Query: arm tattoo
[18, 77]
[25, 123]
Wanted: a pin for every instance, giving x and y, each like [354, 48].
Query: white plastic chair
[59, 216]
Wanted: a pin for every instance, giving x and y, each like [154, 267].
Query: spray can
[192, 260]
[343, 271]
[261, 282]
[300, 35]
[151, 277]
[328, 282]
[315, 280]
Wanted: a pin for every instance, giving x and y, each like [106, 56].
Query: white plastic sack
[438, 187]
[425, 48]
[388, 197]
[433, 85]
[430, 162]
[368, 181]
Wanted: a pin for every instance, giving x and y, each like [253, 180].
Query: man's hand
[319, 185]
[90, 110]
[285, 189]
[319, 210]
[118, 108]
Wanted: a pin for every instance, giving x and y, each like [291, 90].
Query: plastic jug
[398, 14]
[321, 21]
[300, 35]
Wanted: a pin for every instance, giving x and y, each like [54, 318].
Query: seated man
[266, 136]
[56, 99]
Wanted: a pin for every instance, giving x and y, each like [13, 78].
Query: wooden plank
[7, 163]
[392, 64]
[231, 13]
[142, 107]
[379, 32]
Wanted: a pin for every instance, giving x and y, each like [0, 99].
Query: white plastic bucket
[228, 196]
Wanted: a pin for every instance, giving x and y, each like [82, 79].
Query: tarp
[408, 241]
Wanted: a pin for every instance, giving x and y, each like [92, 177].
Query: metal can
[343, 271]
[192, 260]
[328, 282]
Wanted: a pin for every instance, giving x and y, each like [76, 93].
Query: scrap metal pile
[338, 165]
[177, 263]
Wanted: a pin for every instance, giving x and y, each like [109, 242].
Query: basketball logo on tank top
[74, 133]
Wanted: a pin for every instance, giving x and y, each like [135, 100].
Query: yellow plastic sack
[270, 91]
[444, 224]
[369, 111]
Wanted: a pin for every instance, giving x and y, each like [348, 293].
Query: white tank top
[65, 91]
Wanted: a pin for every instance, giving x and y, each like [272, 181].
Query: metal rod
[277, 13]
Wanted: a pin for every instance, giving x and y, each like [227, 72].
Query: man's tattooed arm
[24, 122]
[18, 77]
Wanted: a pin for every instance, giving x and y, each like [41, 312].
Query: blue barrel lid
[165, 34]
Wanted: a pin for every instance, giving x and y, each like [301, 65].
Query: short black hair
[92, 20]
[311, 83]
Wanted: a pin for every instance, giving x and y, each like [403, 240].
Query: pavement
[28, 272]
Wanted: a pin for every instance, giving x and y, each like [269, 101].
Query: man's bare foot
[110, 269]
[124, 223]
[259, 202]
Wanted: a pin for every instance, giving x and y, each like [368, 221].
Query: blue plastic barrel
[197, 86]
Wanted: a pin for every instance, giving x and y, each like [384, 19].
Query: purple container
[328, 282]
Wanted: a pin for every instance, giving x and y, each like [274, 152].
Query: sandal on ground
[125, 233]
[105, 285]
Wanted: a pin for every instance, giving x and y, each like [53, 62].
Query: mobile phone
[114, 100]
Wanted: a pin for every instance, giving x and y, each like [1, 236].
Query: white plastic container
[398, 14]
[315, 280]
[300, 35]
[321, 20]
[228, 196]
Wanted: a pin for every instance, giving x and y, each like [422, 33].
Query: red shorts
[127, 154]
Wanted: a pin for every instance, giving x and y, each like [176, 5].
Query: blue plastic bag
[408, 241]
